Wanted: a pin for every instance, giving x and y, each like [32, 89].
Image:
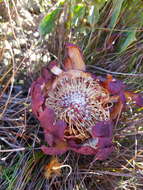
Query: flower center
[75, 100]
[79, 100]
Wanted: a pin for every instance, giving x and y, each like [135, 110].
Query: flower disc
[79, 100]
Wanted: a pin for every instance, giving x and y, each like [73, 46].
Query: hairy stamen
[78, 99]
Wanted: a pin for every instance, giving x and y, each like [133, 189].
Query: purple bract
[77, 110]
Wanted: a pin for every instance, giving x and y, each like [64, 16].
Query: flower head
[76, 109]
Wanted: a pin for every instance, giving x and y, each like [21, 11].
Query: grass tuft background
[33, 32]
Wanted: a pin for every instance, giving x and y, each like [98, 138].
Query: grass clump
[110, 35]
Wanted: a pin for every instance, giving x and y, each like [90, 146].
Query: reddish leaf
[104, 153]
[46, 74]
[54, 150]
[76, 57]
[134, 97]
[37, 97]
[112, 85]
[117, 109]
[102, 129]
[55, 133]
[68, 65]
[86, 150]
[47, 118]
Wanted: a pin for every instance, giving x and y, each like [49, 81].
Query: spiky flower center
[80, 101]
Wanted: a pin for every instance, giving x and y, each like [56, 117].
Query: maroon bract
[76, 109]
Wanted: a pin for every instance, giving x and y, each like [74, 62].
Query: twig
[13, 127]
[110, 173]
[13, 150]
[120, 30]
[116, 73]
[64, 166]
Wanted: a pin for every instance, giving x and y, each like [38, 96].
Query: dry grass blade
[116, 50]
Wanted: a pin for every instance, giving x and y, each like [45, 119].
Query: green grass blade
[47, 25]
[78, 13]
[117, 5]
[93, 16]
[130, 38]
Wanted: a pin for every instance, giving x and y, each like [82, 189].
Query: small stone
[7, 55]
[6, 62]
[45, 59]
[16, 51]
[36, 34]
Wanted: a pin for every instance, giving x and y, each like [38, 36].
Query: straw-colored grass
[112, 44]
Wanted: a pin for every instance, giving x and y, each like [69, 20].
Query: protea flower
[76, 109]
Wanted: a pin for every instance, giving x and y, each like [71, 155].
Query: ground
[115, 50]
